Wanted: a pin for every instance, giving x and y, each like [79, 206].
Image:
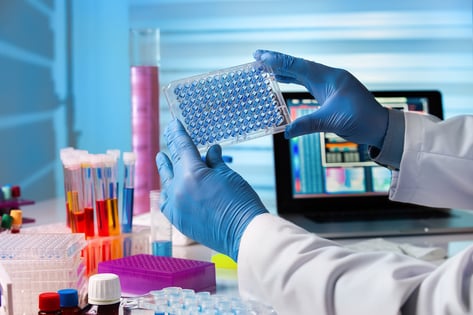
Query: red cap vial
[49, 303]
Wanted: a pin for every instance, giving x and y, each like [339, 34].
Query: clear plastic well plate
[229, 105]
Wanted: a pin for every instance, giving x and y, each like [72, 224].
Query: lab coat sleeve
[437, 163]
[297, 272]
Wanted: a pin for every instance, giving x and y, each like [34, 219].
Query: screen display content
[326, 165]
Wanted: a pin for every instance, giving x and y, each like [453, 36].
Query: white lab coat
[300, 273]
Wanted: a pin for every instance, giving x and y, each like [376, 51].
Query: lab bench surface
[53, 211]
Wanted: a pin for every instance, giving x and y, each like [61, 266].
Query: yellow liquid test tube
[116, 250]
[114, 228]
[113, 221]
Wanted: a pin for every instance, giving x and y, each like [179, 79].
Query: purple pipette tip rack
[140, 274]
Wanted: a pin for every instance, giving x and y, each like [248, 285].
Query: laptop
[329, 186]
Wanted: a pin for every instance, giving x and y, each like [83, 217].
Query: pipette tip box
[142, 273]
[229, 105]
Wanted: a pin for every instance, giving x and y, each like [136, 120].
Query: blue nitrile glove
[348, 108]
[205, 200]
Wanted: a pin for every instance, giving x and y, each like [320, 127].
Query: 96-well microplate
[229, 105]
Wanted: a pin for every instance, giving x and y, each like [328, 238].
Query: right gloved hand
[347, 109]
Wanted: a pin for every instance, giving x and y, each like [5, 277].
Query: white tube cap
[129, 157]
[104, 289]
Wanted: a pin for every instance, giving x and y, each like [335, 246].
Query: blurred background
[64, 66]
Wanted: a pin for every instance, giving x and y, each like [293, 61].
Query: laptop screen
[324, 172]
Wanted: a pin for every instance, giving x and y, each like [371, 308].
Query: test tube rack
[105, 248]
[10, 198]
[36, 263]
[6, 294]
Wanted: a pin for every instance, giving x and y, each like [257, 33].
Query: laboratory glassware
[144, 71]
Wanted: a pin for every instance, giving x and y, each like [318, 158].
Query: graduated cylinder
[144, 71]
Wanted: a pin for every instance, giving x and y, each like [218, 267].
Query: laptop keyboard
[377, 214]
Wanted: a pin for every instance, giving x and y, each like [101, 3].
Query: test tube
[64, 153]
[144, 77]
[129, 159]
[74, 193]
[161, 228]
[111, 171]
[88, 184]
[100, 195]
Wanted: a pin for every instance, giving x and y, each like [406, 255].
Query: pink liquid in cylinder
[145, 132]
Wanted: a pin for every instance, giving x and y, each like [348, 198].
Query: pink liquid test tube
[144, 71]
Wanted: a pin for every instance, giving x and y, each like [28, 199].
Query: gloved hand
[207, 201]
[348, 108]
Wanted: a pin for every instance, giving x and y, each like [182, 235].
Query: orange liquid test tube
[74, 193]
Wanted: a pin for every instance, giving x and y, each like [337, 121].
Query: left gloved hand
[207, 201]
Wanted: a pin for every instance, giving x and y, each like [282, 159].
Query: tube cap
[49, 301]
[68, 297]
[129, 157]
[6, 221]
[6, 192]
[104, 289]
[17, 216]
[16, 192]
